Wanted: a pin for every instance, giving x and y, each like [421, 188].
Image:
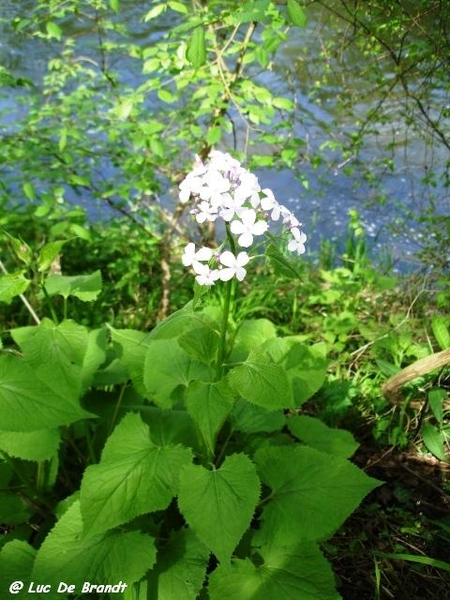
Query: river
[384, 182]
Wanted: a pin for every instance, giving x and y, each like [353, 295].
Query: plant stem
[223, 330]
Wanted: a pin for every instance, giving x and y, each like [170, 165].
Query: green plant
[173, 461]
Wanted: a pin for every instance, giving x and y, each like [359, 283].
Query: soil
[410, 515]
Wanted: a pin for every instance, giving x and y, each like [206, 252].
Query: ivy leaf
[209, 404]
[31, 401]
[296, 13]
[196, 48]
[295, 573]
[312, 493]
[316, 434]
[218, 505]
[84, 287]
[135, 476]
[260, 381]
[68, 555]
[31, 445]
[180, 570]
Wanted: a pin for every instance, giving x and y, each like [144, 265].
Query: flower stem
[224, 327]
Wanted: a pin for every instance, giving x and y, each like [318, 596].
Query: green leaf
[209, 404]
[53, 30]
[260, 381]
[251, 333]
[84, 287]
[441, 332]
[11, 285]
[48, 254]
[154, 12]
[433, 439]
[134, 345]
[169, 427]
[16, 562]
[32, 445]
[13, 509]
[299, 572]
[316, 434]
[218, 505]
[21, 249]
[296, 13]
[29, 191]
[167, 370]
[280, 264]
[196, 48]
[31, 400]
[181, 568]
[249, 418]
[115, 5]
[66, 355]
[201, 343]
[68, 555]
[322, 489]
[305, 366]
[135, 476]
[436, 397]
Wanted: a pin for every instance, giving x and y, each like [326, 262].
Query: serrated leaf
[209, 404]
[11, 285]
[249, 418]
[296, 13]
[433, 440]
[196, 48]
[181, 568]
[299, 572]
[84, 287]
[134, 345]
[32, 445]
[251, 334]
[135, 476]
[200, 343]
[67, 555]
[29, 402]
[167, 369]
[171, 427]
[316, 434]
[218, 505]
[260, 381]
[16, 562]
[312, 493]
[66, 355]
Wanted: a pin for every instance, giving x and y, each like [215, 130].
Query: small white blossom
[233, 265]
[247, 227]
[194, 258]
[297, 244]
[206, 275]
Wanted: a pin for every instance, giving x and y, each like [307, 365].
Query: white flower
[205, 275]
[234, 265]
[247, 227]
[297, 244]
[232, 206]
[205, 212]
[195, 258]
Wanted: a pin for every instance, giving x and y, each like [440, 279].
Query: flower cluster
[223, 189]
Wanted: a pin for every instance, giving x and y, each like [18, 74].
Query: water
[336, 186]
